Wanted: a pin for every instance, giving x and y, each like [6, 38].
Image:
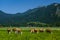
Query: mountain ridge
[46, 14]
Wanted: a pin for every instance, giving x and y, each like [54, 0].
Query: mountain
[49, 14]
[46, 14]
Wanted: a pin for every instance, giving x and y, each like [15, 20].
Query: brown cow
[9, 30]
[14, 29]
[41, 30]
[34, 31]
[48, 30]
[17, 30]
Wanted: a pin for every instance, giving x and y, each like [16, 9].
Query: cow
[17, 30]
[34, 31]
[14, 29]
[9, 30]
[48, 30]
[41, 30]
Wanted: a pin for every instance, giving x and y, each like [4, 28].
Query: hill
[49, 14]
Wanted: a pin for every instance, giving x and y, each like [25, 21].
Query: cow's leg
[37, 31]
[32, 32]
[9, 31]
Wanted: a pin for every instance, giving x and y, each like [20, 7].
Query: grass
[26, 35]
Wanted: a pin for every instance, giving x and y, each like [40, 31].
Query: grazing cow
[14, 29]
[41, 30]
[17, 30]
[9, 30]
[48, 30]
[34, 31]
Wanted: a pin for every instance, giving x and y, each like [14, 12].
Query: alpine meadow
[29, 19]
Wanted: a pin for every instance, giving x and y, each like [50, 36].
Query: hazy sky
[14, 6]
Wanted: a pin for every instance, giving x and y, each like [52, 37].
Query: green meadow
[26, 35]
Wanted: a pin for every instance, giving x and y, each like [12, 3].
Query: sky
[15, 6]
